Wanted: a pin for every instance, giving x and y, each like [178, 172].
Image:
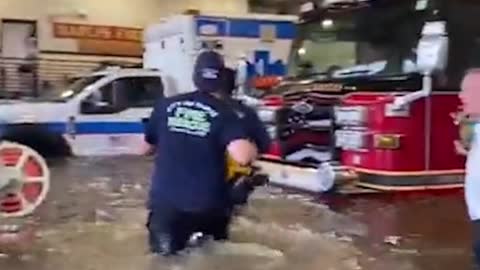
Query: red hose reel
[24, 180]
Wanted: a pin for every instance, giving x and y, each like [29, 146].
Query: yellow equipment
[236, 171]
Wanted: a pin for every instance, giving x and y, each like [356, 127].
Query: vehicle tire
[46, 143]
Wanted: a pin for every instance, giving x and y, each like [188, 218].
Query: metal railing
[32, 77]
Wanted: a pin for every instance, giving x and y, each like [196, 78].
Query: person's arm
[257, 131]
[151, 129]
[234, 136]
[458, 117]
[460, 149]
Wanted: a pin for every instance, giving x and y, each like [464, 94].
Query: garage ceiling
[275, 6]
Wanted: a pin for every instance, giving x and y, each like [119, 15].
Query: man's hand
[147, 149]
[459, 148]
[243, 152]
[457, 117]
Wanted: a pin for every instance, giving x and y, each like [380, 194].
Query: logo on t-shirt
[190, 117]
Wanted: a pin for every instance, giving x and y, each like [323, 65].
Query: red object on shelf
[266, 82]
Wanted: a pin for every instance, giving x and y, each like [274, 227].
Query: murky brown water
[433, 228]
[94, 220]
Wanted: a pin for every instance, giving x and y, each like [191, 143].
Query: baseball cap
[208, 71]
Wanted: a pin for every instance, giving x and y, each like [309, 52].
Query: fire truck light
[327, 24]
[302, 51]
[384, 141]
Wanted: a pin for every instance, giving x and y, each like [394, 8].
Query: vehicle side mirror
[432, 50]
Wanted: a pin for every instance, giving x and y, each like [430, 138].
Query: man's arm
[234, 136]
[151, 128]
[460, 149]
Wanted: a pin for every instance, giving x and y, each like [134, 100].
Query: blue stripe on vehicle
[55, 127]
[246, 28]
[251, 28]
[94, 128]
[109, 128]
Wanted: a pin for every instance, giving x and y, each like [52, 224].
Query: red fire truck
[373, 85]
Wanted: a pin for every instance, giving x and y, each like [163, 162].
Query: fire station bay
[239, 134]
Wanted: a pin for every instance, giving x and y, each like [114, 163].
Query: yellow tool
[235, 171]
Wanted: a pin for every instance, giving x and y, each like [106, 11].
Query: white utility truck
[103, 113]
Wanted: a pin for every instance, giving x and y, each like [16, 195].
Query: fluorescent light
[307, 7]
[327, 23]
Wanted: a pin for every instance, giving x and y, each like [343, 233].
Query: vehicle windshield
[374, 41]
[71, 90]
[382, 40]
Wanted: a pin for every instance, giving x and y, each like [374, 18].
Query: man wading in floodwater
[470, 146]
[242, 185]
[191, 134]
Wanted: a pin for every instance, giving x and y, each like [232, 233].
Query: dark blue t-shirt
[255, 128]
[191, 133]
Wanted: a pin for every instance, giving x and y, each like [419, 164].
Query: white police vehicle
[99, 114]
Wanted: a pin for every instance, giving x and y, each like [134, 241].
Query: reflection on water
[94, 219]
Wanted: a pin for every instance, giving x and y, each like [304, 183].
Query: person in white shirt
[469, 145]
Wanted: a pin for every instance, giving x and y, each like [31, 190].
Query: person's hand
[242, 151]
[147, 149]
[459, 148]
[457, 117]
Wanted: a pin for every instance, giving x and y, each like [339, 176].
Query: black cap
[208, 72]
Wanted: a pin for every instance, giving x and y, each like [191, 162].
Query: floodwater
[94, 220]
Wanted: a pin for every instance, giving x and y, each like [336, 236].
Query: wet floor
[94, 220]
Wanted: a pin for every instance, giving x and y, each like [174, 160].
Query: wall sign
[85, 31]
[102, 40]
